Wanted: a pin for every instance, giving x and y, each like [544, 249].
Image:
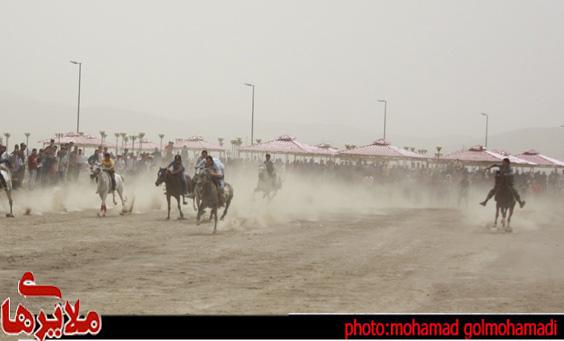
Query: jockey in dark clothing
[270, 170]
[177, 169]
[269, 165]
[504, 177]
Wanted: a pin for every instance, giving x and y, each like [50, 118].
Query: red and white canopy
[147, 145]
[381, 149]
[540, 159]
[479, 154]
[78, 139]
[286, 144]
[325, 149]
[197, 143]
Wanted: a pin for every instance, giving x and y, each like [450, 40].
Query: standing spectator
[74, 163]
[32, 166]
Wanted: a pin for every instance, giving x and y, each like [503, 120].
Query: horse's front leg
[227, 203]
[103, 208]
[215, 220]
[200, 212]
[509, 215]
[121, 198]
[179, 208]
[9, 195]
[496, 214]
[168, 206]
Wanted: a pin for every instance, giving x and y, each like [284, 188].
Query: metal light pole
[252, 112]
[487, 123]
[79, 80]
[385, 114]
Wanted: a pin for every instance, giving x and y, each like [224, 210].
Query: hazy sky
[439, 63]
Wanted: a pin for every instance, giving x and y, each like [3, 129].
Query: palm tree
[141, 136]
[233, 143]
[124, 139]
[133, 138]
[258, 141]
[117, 141]
[103, 135]
[7, 139]
[161, 136]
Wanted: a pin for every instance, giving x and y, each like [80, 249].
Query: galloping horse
[173, 188]
[104, 188]
[505, 202]
[8, 188]
[206, 196]
[267, 184]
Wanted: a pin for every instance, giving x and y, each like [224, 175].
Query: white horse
[8, 178]
[104, 188]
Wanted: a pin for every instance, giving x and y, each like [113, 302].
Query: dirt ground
[293, 259]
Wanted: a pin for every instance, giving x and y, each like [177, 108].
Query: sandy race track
[300, 253]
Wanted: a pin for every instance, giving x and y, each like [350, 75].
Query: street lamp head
[484, 114]
[249, 84]
[382, 100]
[75, 62]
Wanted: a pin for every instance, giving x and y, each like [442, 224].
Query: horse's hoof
[181, 218]
[167, 218]
[9, 215]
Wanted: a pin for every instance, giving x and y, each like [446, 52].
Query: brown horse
[505, 202]
[207, 196]
[173, 188]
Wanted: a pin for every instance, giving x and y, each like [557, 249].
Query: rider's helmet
[177, 157]
[106, 154]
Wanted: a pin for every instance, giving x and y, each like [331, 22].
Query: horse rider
[176, 168]
[270, 170]
[109, 166]
[95, 157]
[504, 177]
[4, 163]
[217, 172]
[201, 161]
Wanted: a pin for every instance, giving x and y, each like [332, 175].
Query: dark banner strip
[333, 327]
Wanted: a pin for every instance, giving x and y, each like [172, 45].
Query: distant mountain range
[44, 119]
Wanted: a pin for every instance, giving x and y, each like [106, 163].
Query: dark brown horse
[505, 202]
[207, 196]
[173, 188]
